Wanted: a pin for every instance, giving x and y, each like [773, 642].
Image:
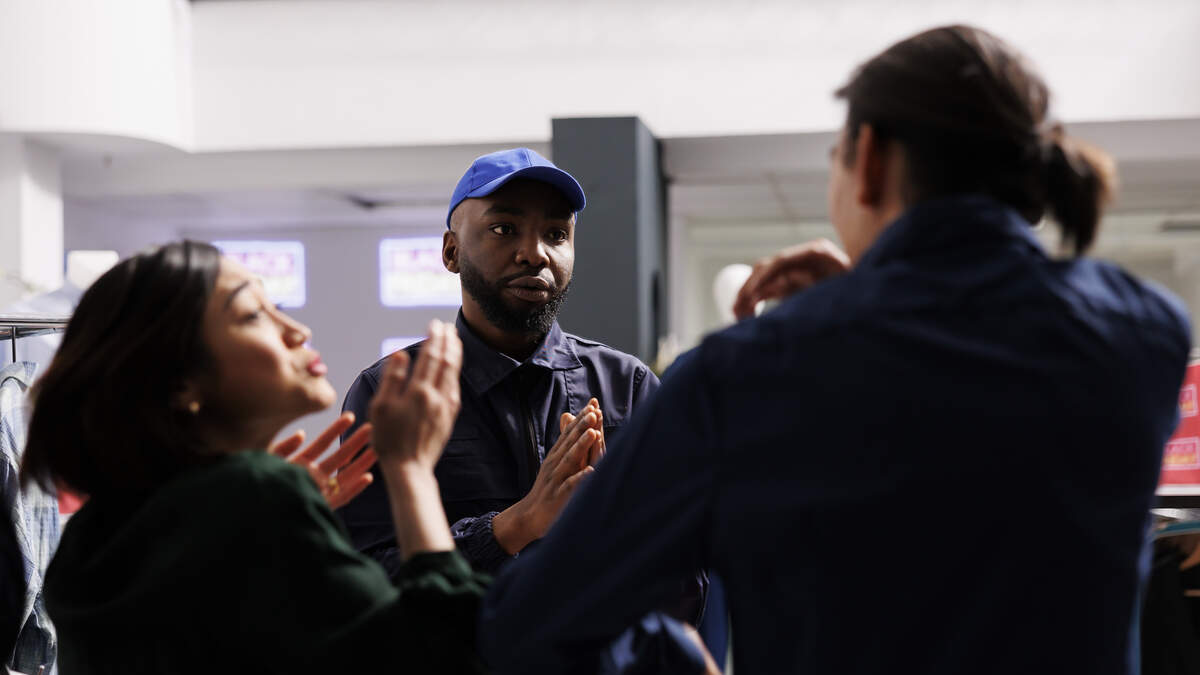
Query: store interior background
[340, 123]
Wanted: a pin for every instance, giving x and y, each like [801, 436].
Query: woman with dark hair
[198, 552]
[939, 457]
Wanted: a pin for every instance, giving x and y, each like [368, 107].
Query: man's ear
[450, 250]
[870, 166]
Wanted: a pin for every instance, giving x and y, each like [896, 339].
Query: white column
[31, 220]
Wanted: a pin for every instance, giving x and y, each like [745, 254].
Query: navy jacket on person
[492, 458]
[941, 462]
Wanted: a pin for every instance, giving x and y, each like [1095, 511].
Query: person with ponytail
[937, 455]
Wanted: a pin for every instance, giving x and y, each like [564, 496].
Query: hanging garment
[12, 588]
[35, 520]
[1170, 634]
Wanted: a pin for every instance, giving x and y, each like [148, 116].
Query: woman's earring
[194, 407]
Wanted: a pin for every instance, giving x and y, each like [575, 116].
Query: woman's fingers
[347, 451]
[348, 491]
[288, 445]
[395, 374]
[359, 466]
[451, 362]
[431, 353]
[326, 439]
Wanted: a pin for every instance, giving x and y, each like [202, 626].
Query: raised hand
[340, 476]
[565, 467]
[413, 413]
[599, 448]
[790, 271]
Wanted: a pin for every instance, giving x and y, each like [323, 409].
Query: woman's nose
[295, 334]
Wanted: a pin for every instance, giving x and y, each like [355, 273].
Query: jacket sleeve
[575, 592]
[477, 542]
[327, 608]
[645, 389]
[473, 535]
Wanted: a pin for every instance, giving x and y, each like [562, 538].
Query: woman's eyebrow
[233, 294]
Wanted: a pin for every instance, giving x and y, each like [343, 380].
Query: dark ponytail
[971, 115]
[1080, 180]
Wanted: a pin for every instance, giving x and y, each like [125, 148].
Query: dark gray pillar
[617, 295]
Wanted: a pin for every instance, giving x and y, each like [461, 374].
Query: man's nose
[532, 252]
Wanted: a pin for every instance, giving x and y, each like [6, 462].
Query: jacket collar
[484, 367]
[940, 224]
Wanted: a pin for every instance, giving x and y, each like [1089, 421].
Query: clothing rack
[14, 328]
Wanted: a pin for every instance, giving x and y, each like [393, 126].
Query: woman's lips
[317, 367]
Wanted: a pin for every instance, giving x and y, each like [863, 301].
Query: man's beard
[535, 321]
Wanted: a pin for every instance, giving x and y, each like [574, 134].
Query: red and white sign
[1181, 454]
[1181, 457]
[1187, 401]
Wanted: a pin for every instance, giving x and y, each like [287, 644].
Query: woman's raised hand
[340, 476]
[413, 412]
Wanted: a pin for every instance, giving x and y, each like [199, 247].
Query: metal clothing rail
[14, 328]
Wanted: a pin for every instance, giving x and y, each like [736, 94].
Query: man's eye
[502, 228]
[558, 236]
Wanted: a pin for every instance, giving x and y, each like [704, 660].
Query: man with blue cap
[537, 402]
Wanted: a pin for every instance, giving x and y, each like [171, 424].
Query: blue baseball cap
[488, 173]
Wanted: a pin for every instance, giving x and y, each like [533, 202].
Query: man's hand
[565, 467]
[599, 448]
[790, 271]
[339, 479]
[413, 414]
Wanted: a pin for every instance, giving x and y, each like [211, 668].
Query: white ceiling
[338, 73]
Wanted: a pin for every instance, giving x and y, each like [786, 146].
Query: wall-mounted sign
[411, 274]
[280, 264]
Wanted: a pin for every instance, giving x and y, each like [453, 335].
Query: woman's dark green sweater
[240, 567]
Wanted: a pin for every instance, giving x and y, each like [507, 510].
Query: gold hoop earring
[194, 407]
